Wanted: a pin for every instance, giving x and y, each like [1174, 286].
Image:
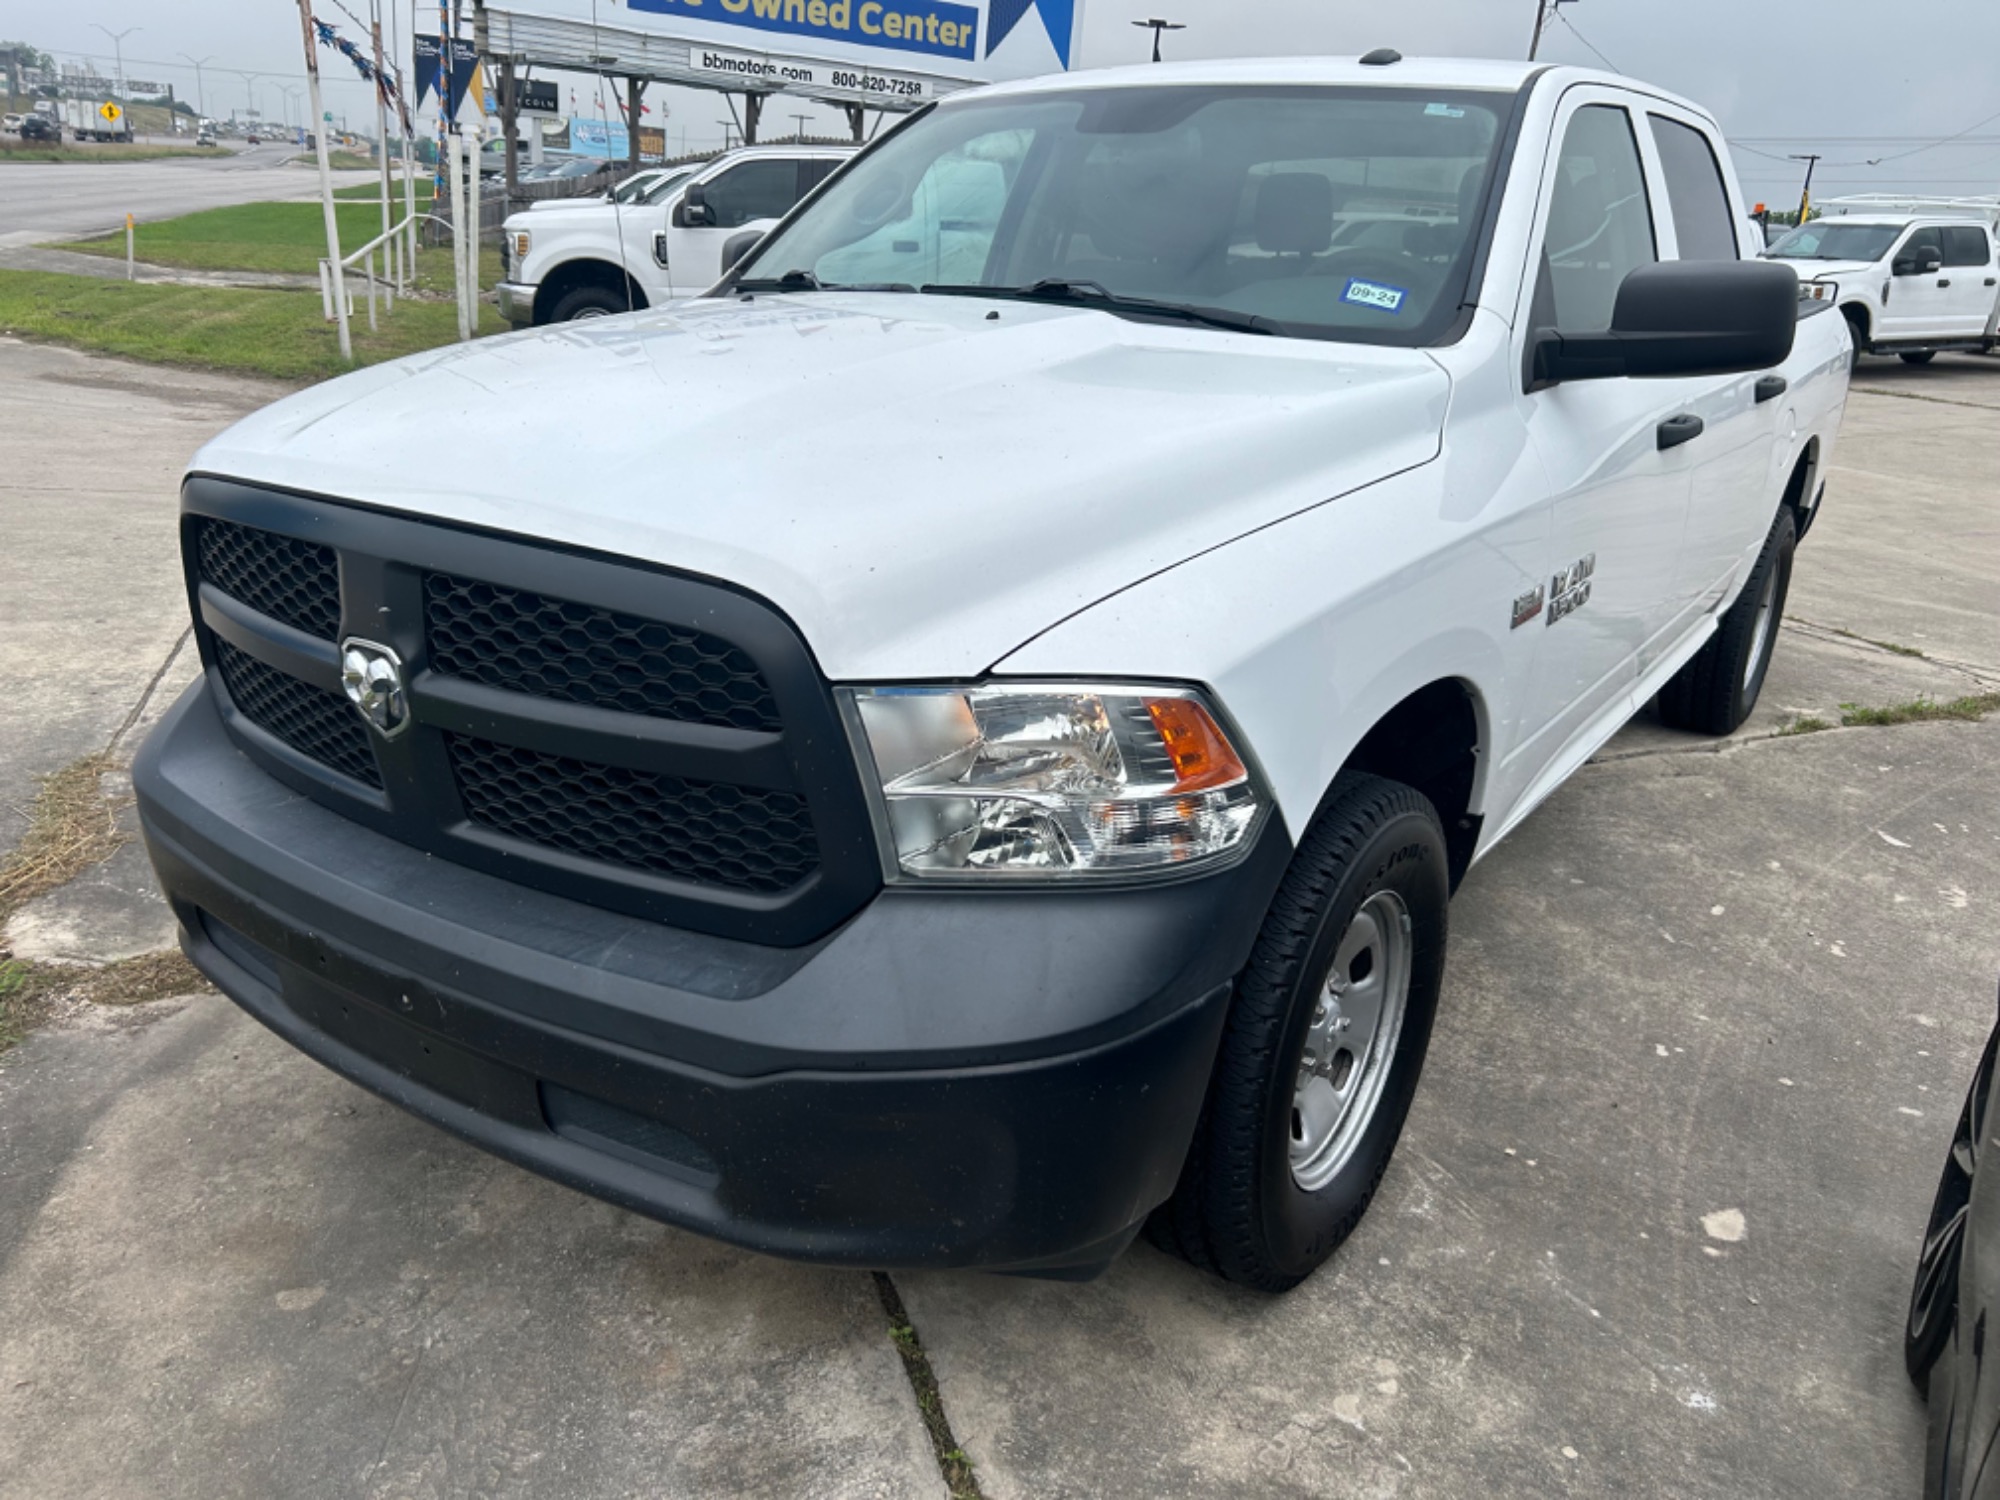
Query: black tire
[1934, 1293]
[1715, 691]
[1238, 1209]
[590, 302]
[1857, 328]
[1920, 359]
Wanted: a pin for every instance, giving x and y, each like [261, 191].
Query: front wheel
[1715, 691]
[1324, 1044]
[590, 302]
[1923, 358]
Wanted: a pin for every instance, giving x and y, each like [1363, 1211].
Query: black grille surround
[614, 733]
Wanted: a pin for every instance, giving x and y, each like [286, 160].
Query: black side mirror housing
[1925, 263]
[737, 246]
[1681, 317]
[693, 212]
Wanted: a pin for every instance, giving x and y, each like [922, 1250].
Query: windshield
[657, 192]
[1820, 240]
[1335, 213]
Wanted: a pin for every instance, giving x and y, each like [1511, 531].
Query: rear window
[1700, 203]
[1965, 245]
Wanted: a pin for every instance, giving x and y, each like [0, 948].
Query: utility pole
[326, 182]
[200, 94]
[1544, 11]
[1811, 159]
[728, 133]
[1158, 26]
[118, 51]
[802, 127]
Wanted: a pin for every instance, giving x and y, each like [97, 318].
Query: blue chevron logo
[1058, 19]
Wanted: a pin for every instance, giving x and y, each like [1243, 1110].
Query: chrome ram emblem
[373, 678]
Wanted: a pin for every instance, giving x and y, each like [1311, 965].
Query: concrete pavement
[1708, 1019]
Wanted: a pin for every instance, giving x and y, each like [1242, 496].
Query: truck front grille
[639, 740]
[321, 726]
[557, 648]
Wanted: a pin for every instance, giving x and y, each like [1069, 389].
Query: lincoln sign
[889, 53]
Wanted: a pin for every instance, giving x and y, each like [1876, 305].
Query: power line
[1588, 43]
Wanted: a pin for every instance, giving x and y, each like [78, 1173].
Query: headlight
[1818, 291]
[1053, 780]
[521, 238]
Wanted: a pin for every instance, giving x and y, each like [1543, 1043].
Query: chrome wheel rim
[589, 312]
[1760, 634]
[1351, 1041]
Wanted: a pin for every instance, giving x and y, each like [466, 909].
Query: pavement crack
[1835, 635]
[953, 1465]
[1873, 390]
[152, 687]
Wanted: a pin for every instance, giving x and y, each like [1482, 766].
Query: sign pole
[326, 184]
[382, 132]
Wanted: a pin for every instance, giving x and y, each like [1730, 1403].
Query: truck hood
[921, 483]
[1830, 270]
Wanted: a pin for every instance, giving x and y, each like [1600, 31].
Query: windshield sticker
[1448, 111]
[1374, 294]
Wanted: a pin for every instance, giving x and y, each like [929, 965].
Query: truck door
[1733, 489]
[1619, 500]
[1919, 305]
[1968, 267]
[764, 187]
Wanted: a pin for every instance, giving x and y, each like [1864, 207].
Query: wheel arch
[1800, 486]
[1860, 320]
[1433, 739]
[584, 270]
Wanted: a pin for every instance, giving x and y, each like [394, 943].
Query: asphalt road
[42, 201]
[1708, 1018]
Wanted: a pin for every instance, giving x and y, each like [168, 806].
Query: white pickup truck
[1912, 276]
[971, 756]
[596, 256]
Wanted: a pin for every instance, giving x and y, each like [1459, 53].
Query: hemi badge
[1527, 606]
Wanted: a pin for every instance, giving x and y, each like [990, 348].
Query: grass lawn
[372, 192]
[248, 237]
[44, 151]
[278, 334]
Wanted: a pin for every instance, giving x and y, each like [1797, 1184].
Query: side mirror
[737, 246]
[1681, 317]
[1923, 263]
[693, 212]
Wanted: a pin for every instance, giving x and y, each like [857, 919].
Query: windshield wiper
[1095, 294]
[805, 281]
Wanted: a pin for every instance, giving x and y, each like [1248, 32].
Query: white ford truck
[1912, 276]
[971, 757]
[593, 257]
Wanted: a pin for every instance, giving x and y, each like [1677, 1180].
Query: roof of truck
[1408, 72]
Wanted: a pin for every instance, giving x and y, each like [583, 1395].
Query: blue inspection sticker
[1375, 294]
[1445, 111]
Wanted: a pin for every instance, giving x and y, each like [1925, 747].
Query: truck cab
[1912, 276]
[596, 257]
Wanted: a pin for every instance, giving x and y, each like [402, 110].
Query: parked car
[973, 751]
[1957, 1284]
[11, 124]
[253, 140]
[584, 258]
[1912, 276]
[40, 128]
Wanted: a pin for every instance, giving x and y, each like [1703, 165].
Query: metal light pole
[118, 51]
[200, 94]
[1158, 26]
[802, 126]
[1811, 159]
[1544, 10]
[292, 93]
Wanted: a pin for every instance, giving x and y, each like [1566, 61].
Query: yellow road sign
[111, 111]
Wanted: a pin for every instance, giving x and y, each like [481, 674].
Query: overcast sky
[1782, 75]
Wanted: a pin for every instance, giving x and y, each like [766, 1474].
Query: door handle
[1944, 281]
[1992, 281]
[1770, 387]
[1677, 430]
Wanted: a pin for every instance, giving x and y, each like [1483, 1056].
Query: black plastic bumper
[1005, 1080]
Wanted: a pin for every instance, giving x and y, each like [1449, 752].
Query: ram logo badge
[1569, 590]
[372, 676]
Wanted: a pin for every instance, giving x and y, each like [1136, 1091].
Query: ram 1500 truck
[590, 257]
[971, 757]
[1912, 276]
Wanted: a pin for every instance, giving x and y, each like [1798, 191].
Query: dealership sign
[896, 53]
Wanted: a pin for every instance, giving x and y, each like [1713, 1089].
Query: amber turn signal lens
[1203, 759]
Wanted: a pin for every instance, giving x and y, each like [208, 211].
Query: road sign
[111, 111]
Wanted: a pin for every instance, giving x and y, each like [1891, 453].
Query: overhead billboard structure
[887, 54]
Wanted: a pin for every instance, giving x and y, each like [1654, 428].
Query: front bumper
[1005, 1080]
[517, 303]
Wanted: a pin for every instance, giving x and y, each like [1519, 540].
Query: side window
[1926, 241]
[1600, 227]
[1695, 192]
[939, 228]
[1965, 245]
[813, 173]
[755, 190]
